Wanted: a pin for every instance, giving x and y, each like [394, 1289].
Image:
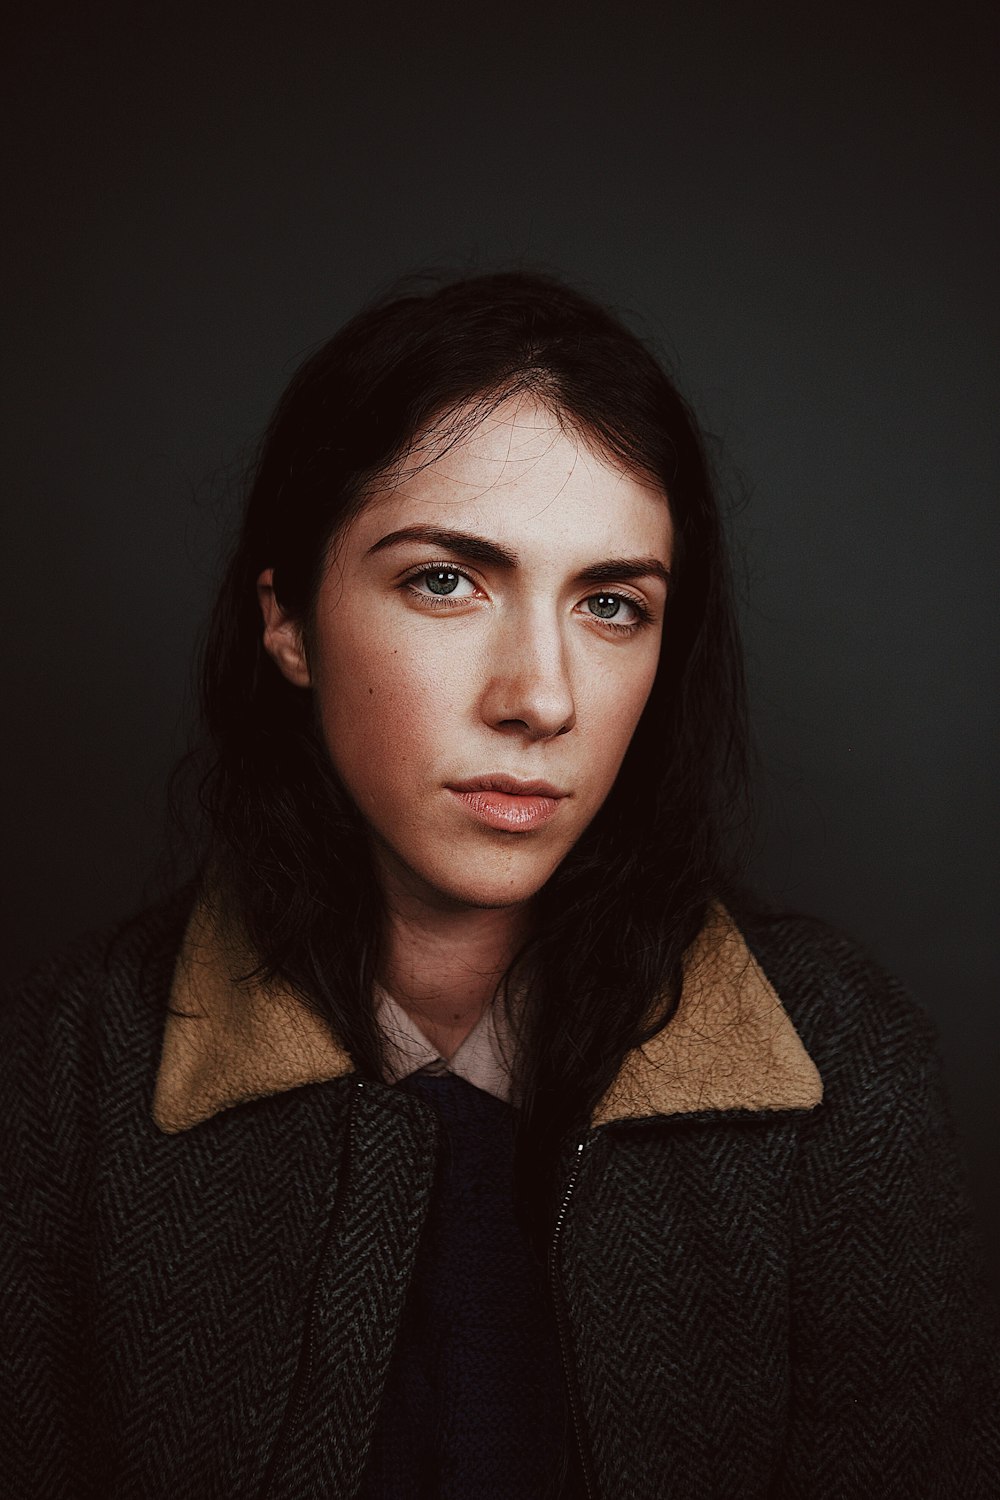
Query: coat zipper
[303, 1373]
[561, 1325]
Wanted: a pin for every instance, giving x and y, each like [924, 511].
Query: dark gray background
[798, 207]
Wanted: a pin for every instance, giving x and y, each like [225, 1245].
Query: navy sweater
[473, 1407]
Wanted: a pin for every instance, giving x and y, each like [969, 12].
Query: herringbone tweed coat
[766, 1270]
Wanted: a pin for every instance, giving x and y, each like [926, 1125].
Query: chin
[496, 900]
[488, 889]
[487, 895]
[487, 879]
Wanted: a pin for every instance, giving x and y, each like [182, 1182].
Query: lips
[512, 785]
[507, 803]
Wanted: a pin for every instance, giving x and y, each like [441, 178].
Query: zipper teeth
[561, 1322]
[304, 1371]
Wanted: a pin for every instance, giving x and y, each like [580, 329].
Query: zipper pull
[562, 1325]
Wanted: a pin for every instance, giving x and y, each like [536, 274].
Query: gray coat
[766, 1272]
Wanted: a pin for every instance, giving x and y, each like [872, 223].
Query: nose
[528, 687]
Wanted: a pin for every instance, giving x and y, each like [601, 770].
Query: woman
[460, 1131]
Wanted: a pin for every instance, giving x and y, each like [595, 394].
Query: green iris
[606, 606]
[442, 581]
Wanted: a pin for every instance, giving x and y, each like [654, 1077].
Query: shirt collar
[481, 1058]
[730, 1044]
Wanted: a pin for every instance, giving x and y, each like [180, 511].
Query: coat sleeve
[42, 1276]
[895, 1353]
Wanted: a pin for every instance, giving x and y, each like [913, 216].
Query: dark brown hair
[285, 847]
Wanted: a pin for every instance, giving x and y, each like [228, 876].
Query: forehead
[521, 477]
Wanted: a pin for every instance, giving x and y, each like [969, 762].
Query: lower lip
[502, 810]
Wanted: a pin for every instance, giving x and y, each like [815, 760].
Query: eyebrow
[471, 548]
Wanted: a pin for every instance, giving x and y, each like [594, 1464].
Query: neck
[442, 963]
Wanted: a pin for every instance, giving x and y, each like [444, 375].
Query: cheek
[615, 707]
[380, 697]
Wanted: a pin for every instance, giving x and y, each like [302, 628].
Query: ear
[282, 634]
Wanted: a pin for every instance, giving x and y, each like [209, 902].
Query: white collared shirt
[481, 1059]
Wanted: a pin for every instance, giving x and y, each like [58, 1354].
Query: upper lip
[510, 784]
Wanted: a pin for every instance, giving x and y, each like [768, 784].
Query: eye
[605, 606]
[442, 583]
[442, 580]
[620, 611]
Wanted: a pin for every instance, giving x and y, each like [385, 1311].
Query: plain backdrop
[796, 204]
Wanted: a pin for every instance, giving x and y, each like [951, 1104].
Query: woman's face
[491, 622]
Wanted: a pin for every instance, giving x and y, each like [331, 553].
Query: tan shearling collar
[730, 1045]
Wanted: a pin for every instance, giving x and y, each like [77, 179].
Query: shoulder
[886, 1116]
[866, 1033]
[829, 982]
[83, 1014]
[122, 954]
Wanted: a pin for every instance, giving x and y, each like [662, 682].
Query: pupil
[605, 605]
[442, 581]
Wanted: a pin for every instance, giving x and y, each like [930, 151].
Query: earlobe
[283, 640]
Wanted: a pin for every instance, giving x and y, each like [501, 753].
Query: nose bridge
[530, 672]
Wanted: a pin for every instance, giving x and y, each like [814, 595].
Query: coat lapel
[730, 1046]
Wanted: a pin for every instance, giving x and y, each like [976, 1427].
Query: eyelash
[444, 601]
